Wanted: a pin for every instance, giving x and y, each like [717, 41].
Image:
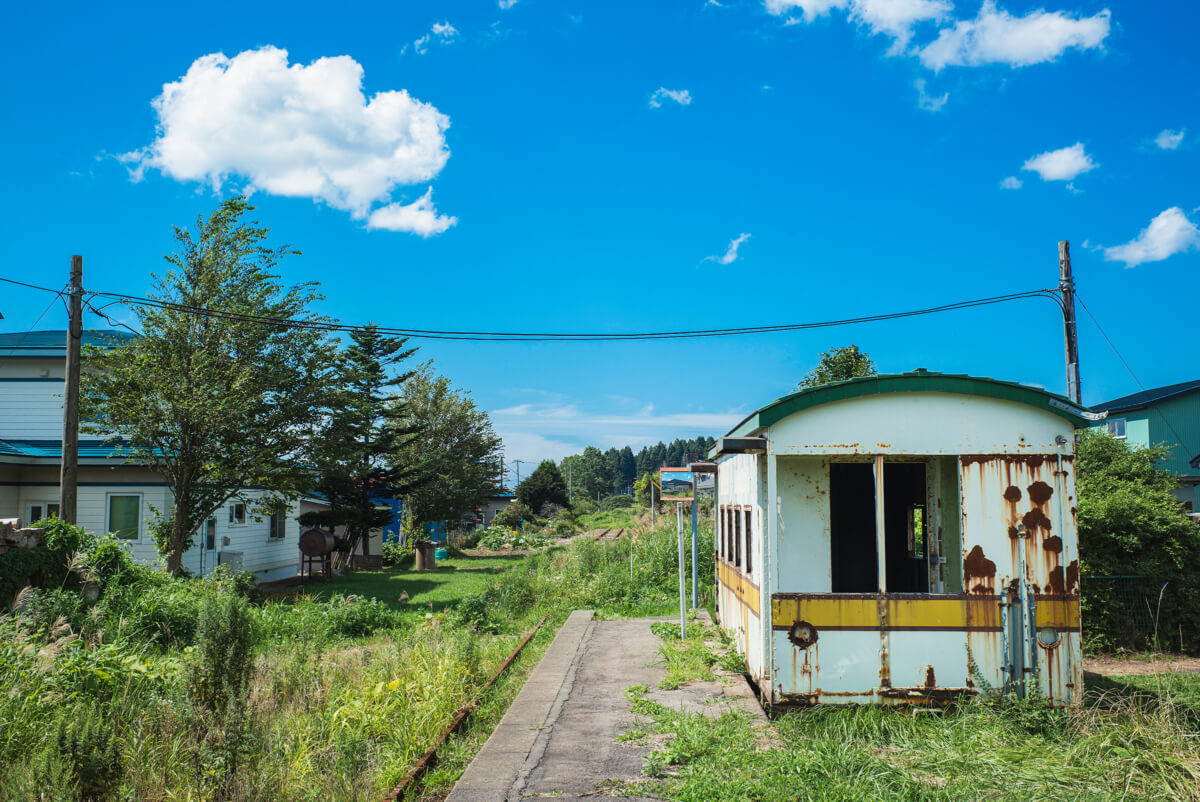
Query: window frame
[275, 523]
[748, 526]
[737, 538]
[210, 533]
[233, 519]
[1109, 428]
[141, 525]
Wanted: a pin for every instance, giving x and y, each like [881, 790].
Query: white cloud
[442, 32]
[1063, 164]
[1168, 139]
[293, 130]
[680, 96]
[731, 253]
[505, 5]
[1012, 182]
[536, 431]
[997, 37]
[927, 102]
[896, 18]
[1169, 233]
[418, 217]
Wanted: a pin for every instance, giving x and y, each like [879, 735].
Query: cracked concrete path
[558, 739]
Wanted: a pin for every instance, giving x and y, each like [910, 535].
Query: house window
[747, 515]
[210, 534]
[125, 516]
[278, 526]
[1116, 427]
[46, 509]
[237, 514]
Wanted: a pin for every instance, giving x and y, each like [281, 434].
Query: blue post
[694, 552]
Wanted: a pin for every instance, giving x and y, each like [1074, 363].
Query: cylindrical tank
[316, 542]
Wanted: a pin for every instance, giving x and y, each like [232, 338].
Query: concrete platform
[558, 739]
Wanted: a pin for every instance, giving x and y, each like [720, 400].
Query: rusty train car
[899, 539]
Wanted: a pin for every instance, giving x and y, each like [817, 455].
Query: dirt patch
[1107, 665]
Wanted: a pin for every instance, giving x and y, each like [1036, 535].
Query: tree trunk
[179, 533]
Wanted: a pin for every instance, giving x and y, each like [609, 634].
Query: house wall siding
[31, 410]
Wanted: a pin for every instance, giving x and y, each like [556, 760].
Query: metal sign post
[695, 554]
[682, 587]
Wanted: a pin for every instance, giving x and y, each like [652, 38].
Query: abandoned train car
[902, 539]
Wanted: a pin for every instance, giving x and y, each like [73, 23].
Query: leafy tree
[544, 486]
[457, 453]
[1130, 523]
[367, 422]
[641, 489]
[838, 365]
[590, 473]
[214, 403]
[626, 468]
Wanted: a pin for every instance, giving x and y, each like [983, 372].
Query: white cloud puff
[731, 253]
[1063, 164]
[1012, 182]
[1168, 139]
[895, 18]
[681, 96]
[927, 101]
[1169, 233]
[997, 37]
[293, 130]
[418, 217]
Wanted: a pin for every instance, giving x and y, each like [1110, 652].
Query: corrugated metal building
[906, 538]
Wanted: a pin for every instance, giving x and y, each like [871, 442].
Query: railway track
[610, 534]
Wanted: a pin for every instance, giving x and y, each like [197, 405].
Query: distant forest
[614, 471]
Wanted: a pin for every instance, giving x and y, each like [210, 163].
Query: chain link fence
[1127, 611]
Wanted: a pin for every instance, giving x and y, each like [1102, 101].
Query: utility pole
[570, 484]
[1066, 285]
[518, 463]
[69, 478]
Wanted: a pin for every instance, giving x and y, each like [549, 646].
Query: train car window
[749, 540]
[737, 539]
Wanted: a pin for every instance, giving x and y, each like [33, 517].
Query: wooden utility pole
[1066, 285]
[69, 478]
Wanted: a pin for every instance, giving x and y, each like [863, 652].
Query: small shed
[907, 538]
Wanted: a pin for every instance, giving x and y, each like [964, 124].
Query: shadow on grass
[1114, 693]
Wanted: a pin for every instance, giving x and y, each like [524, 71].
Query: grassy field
[436, 591]
[1135, 738]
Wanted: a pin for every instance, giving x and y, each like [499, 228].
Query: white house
[114, 495]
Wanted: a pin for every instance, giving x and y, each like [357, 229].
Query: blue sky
[587, 166]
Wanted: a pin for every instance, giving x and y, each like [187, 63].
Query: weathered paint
[1001, 485]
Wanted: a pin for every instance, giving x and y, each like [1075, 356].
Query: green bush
[220, 668]
[616, 502]
[512, 515]
[89, 747]
[356, 617]
[395, 555]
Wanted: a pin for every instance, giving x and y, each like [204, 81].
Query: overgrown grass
[1118, 746]
[349, 686]
[688, 659]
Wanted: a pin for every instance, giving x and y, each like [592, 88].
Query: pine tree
[367, 423]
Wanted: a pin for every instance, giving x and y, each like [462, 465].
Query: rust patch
[1013, 493]
[977, 566]
[1032, 460]
[930, 679]
[1035, 519]
[802, 634]
[1052, 543]
[1040, 492]
[1073, 577]
[1057, 580]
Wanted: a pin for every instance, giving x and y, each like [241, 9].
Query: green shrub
[616, 502]
[397, 556]
[89, 747]
[220, 668]
[356, 617]
[512, 515]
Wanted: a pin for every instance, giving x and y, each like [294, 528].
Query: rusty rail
[430, 757]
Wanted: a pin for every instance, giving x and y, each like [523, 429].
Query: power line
[24, 335]
[324, 324]
[1136, 380]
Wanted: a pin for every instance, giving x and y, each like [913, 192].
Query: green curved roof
[919, 381]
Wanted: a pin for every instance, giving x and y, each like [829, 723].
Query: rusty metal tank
[316, 543]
